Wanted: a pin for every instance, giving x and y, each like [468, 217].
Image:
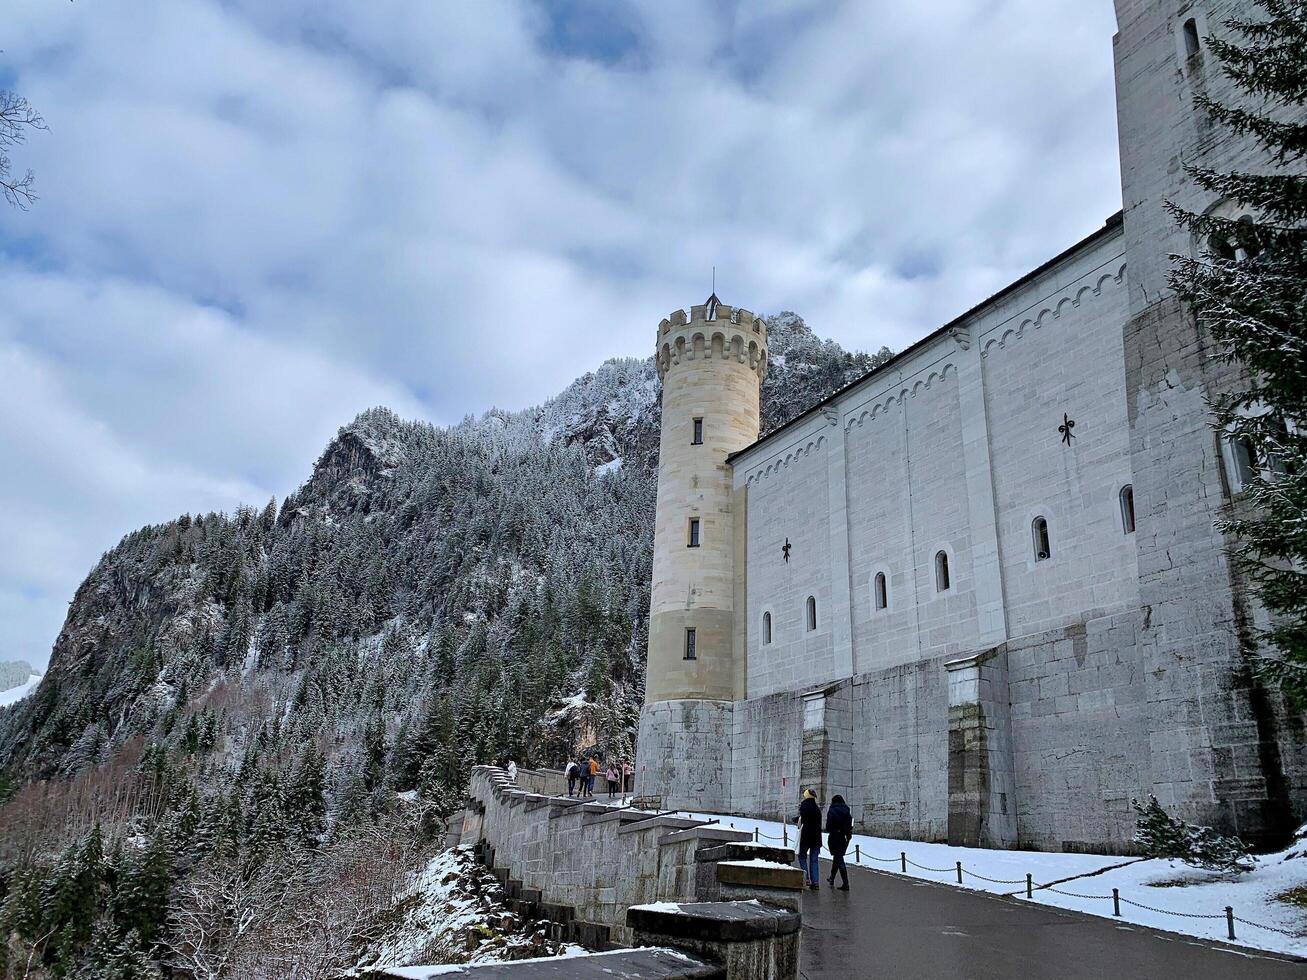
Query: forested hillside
[233, 696]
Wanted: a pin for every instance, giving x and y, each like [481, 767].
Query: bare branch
[17, 118]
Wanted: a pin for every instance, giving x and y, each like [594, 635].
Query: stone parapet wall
[596, 861]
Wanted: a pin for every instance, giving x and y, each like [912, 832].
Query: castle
[980, 592]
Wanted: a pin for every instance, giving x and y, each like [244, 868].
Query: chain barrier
[1058, 891]
[1116, 898]
[938, 871]
[1258, 925]
[1183, 915]
[997, 881]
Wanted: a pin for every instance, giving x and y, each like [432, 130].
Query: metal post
[785, 831]
[1229, 919]
[755, 835]
[1030, 886]
[959, 872]
[903, 860]
[857, 853]
[1116, 902]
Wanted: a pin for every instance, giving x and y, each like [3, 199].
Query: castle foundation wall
[683, 754]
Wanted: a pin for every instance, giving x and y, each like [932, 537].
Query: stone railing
[607, 875]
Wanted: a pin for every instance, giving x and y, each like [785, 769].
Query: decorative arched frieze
[1056, 308]
[780, 463]
[872, 409]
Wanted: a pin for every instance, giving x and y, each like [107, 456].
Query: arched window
[1246, 245]
[1192, 44]
[766, 628]
[1039, 532]
[812, 613]
[880, 589]
[1239, 246]
[941, 572]
[1128, 509]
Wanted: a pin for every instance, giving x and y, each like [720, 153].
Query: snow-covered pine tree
[1160, 835]
[1250, 287]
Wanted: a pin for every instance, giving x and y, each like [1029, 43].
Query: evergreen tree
[118, 957]
[306, 800]
[140, 900]
[1250, 288]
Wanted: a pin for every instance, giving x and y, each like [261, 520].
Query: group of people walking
[839, 831]
[582, 773]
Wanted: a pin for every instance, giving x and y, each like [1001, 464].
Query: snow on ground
[426, 972]
[1168, 886]
[16, 694]
[454, 912]
[612, 466]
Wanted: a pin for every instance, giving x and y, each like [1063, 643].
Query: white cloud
[258, 218]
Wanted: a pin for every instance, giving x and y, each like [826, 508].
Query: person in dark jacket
[839, 831]
[809, 824]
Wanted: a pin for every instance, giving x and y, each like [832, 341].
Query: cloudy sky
[259, 217]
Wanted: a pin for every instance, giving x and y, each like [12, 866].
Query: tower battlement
[722, 313]
[713, 330]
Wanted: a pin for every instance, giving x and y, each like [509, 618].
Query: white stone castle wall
[794, 507]
[1057, 349]
[957, 449]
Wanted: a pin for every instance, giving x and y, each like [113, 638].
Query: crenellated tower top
[713, 330]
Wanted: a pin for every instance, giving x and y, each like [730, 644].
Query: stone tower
[1217, 757]
[711, 365]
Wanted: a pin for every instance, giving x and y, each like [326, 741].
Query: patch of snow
[612, 466]
[660, 907]
[453, 911]
[408, 795]
[425, 972]
[1252, 895]
[757, 863]
[16, 694]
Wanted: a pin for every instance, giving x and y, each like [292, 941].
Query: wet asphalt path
[899, 928]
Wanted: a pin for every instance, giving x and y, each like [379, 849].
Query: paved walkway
[898, 928]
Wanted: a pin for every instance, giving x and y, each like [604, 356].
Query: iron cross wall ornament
[1065, 428]
[785, 550]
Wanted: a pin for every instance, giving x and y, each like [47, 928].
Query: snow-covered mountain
[18, 679]
[253, 685]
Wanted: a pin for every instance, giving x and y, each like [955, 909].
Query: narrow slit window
[881, 591]
[698, 433]
[1128, 509]
[1245, 460]
[1039, 531]
[812, 613]
[690, 651]
[941, 572]
[1279, 463]
[766, 628]
[694, 532]
[1192, 43]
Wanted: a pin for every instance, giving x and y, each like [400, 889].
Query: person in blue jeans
[809, 823]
